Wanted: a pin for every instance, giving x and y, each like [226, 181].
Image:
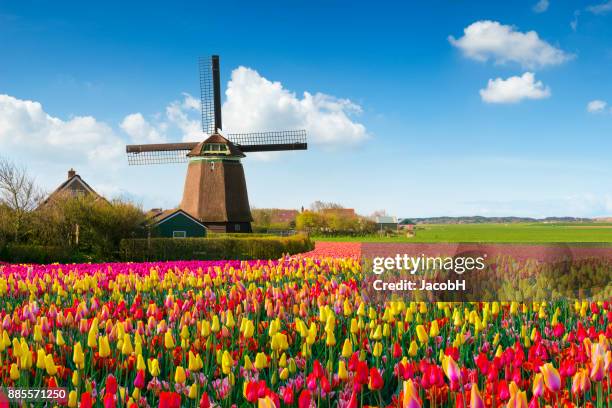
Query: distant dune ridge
[477, 219]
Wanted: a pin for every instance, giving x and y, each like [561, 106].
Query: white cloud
[596, 106]
[514, 89]
[602, 8]
[485, 39]
[25, 126]
[140, 130]
[256, 104]
[541, 6]
[185, 116]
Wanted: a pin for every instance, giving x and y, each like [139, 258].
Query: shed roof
[159, 217]
[385, 219]
[72, 186]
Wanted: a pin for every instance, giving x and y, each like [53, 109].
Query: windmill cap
[217, 139]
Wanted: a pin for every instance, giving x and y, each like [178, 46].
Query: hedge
[244, 247]
[40, 254]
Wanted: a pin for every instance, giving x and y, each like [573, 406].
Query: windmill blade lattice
[269, 141]
[207, 93]
[164, 153]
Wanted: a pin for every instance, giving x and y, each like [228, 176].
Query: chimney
[71, 173]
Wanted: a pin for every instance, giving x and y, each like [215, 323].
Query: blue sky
[404, 125]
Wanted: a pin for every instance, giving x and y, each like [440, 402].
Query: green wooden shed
[175, 223]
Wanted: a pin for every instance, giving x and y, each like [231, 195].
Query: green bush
[39, 254]
[244, 247]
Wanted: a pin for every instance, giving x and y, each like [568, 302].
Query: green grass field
[488, 233]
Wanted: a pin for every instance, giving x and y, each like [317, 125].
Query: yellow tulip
[92, 336]
[226, 362]
[342, 372]
[179, 375]
[14, 372]
[261, 361]
[216, 326]
[50, 365]
[248, 365]
[72, 399]
[347, 348]
[422, 334]
[413, 349]
[154, 367]
[169, 340]
[59, 339]
[127, 348]
[193, 391]
[77, 355]
[377, 350]
[40, 359]
[249, 329]
[103, 347]
[434, 330]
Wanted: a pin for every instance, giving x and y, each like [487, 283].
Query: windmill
[215, 189]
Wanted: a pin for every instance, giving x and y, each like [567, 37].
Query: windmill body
[215, 190]
[215, 187]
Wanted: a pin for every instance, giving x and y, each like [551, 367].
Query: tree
[19, 193]
[262, 217]
[92, 225]
[318, 206]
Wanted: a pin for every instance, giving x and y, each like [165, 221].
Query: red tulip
[140, 379]
[317, 369]
[169, 399]
[503, 391]
[405, 370]
[361, 376]
[109, 401]
[353, 401]
[251, 392]
[305, 399]
[353, 363]
[288, 395]
[86, 401]
[325, 385]
[111, 384]
[204, 401]
[397, 350]
[311, 381]
[376, 380]
[559, 330]
[482, 363]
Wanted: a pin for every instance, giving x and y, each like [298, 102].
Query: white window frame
[174, 235]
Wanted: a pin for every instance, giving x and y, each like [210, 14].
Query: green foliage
[86, 226]
[334, 224]
[214, 248]
[40, 254]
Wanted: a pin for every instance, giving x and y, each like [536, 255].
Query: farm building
[174, 223]
[74, 186]
[282, 216]
[407, 224]
[385, 222]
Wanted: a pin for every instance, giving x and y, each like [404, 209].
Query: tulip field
[294, 332]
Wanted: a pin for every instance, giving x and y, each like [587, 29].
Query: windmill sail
[158, 153]
[210, 94]
[269, 141]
